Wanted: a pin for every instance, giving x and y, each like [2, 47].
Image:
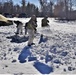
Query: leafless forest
[62, 9]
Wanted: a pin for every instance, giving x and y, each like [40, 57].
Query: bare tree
[59, 9]
[46, 7]
[11, 7]
[1, 8]
[23, 2]
[5, 7]
[43, 4]
[62, 8]
[31, 9]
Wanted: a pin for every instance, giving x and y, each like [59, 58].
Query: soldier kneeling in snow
[30, 27]
[45, 22]
[19, 27]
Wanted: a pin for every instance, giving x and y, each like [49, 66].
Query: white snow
[54, 54]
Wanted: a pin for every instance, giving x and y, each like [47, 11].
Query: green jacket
[44, 22]
[31, 25]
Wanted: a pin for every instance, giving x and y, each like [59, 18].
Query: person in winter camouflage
[31, 29]
[19, 27]
[45, 22]
[33, 18]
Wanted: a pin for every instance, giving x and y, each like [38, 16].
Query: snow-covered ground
[54, 53]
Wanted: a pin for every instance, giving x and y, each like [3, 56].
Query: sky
[36, 2]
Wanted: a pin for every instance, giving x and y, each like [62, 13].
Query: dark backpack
[26, 24]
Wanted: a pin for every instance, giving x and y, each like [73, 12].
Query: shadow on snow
[24, 54]
[18, 39]
[42, 68]
[43, 39]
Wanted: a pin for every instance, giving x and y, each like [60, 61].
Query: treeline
[9, 7]
[52, 8]
[65, 9]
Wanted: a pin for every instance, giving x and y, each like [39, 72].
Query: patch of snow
[53, 53]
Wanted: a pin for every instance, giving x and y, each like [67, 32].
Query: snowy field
[53, 54]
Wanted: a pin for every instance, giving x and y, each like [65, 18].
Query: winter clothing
[26, 28]
[31, 36]
[45, 22]
[32, 24]
[19, 27]
[31, 29]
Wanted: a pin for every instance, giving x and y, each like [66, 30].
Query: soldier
[34, 21]
[45, 22]
[19, 27]
[31, 29]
